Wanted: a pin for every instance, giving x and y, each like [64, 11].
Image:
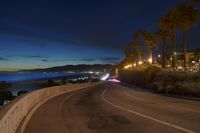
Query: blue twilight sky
[46, 33]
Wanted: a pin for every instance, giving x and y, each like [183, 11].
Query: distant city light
[114, 80]
[90, 72]
[159, 56]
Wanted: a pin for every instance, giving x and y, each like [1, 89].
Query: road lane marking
[66, 98]
[145, 116]
[137, 98]
[170, 106]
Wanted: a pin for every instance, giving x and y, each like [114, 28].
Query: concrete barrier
[12, 118]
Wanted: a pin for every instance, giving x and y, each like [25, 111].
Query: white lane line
[137, 98]
[170, 106]
[145, 116]
[66, 98]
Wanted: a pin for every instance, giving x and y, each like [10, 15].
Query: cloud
[112, 60]
[106, 60]
[4, 59]
[28, 56]
[45, 60]
[88, 59]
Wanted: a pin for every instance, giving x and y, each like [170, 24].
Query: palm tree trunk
[184, 49]
[164, 55]
[140, 57]
[174, 55]
[150, 54]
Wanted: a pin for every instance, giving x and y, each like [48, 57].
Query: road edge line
[145, 116]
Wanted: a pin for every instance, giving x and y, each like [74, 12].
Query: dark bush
[5, 95]
[4, 85]
[50, 83]
[22, 92]
[175, 83]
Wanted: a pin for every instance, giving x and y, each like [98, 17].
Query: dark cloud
[4, 59]
[106, 60]
[45, 60]
[30, 56]
[34, 56]
[88, 59]
[112, 60]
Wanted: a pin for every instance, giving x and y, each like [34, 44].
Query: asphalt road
[113, 108]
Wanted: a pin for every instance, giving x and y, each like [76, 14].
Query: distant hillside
[77, 68]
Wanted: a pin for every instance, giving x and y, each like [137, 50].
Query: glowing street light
[134, 64]
[140, 62]
[128, 66]
[150, 60]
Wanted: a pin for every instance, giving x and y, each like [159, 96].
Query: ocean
[30, 81]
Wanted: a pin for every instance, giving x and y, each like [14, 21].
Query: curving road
[113, 108]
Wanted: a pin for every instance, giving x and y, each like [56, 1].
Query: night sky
[46, 33]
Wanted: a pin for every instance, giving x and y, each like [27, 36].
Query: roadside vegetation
[169, 83]
[5, 94]
[144, 45]
[50, 83]
[151, 59]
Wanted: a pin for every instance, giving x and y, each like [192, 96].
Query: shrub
[176, 83]
[4, 85]
[22, 92]
[5, 95]
[50, 83]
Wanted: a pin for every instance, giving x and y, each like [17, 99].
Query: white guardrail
[14, 116]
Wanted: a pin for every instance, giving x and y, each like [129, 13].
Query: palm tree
[150, 41]
[138, 50]
[137, 45]
[187, 17]
[129, 54]
[164, 34]
[170, 22]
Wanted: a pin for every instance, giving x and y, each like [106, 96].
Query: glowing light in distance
[114, 80]
[150, 60]
[128, 66]
[140, 62]
[105, 77]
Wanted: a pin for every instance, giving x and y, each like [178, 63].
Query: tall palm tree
[170, 20]
[129, 54]
[150, 41]
[138, 50]
[164, 34]
[137, 45]
[187, 17]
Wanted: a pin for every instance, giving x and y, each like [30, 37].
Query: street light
[150, 60]
[140, 62]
